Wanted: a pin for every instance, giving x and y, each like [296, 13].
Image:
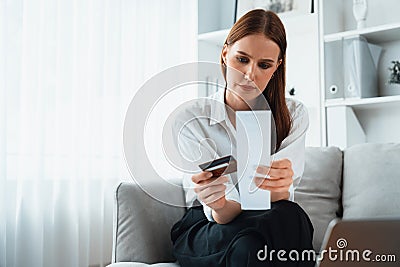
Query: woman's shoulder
[299, 115]
[196, 111]
[192, 108]
[296, 108]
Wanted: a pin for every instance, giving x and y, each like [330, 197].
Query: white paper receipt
[253, 141]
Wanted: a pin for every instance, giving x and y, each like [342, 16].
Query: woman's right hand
[210, 191]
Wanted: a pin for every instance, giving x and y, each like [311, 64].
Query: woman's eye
[264, 66]
[242, 59]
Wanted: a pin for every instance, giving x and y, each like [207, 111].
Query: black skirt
[280, 236]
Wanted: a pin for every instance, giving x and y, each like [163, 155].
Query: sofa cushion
[371, 181]
[142, 224]
[319, 190]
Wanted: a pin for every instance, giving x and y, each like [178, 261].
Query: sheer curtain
[68, 71]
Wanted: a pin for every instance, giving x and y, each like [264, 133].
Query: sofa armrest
[142, 224]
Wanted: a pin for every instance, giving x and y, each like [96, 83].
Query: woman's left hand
[280, 175]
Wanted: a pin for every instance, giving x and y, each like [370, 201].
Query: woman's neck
[235, 104]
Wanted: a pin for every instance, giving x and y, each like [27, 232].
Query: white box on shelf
[334, 85]
[360, 60]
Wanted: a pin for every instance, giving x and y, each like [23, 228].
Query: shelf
[365, 102]
[216, 37]
[377, 34]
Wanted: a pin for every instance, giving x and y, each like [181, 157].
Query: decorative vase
[390, 89]
[360, 9]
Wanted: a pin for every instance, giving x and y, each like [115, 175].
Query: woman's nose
[249, 73]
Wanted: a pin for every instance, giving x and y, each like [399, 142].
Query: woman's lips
[247, 87]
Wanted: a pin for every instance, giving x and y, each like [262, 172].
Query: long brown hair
[268, 23]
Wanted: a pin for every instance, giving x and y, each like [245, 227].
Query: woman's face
[251, 62]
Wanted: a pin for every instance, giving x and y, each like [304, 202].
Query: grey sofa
[358, 183]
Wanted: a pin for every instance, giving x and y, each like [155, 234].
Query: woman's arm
[211, 192]
[227, 213]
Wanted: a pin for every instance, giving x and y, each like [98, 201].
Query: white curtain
[68, 70]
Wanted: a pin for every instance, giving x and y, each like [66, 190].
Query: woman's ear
[279, 63]
[224, 53]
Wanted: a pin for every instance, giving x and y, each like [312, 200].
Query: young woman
[218, 232]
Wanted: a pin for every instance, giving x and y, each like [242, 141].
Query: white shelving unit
[215, 18]
[356, 120]
[215, 38]
[380, 33]
[372, 102]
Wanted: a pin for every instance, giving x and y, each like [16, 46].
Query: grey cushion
[142, 224]
[371, 181]
[319, 191]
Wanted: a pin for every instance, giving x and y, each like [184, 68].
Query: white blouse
[203, 132]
